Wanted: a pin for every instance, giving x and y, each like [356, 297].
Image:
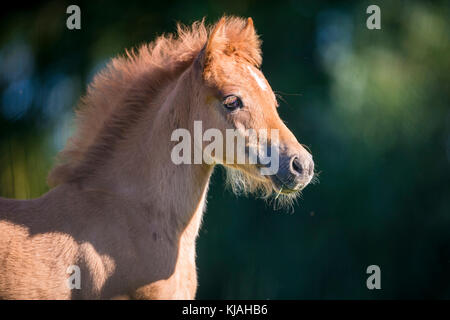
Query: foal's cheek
[209, 100]
[243, 120]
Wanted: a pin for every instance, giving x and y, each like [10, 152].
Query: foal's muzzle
[294, 173]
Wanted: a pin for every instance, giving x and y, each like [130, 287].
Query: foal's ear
[249, 29]
[232, 37]
[250, 44]
[217, 39]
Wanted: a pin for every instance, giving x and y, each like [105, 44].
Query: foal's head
[237, 96]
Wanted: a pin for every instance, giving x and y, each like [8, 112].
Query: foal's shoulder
[14, 206]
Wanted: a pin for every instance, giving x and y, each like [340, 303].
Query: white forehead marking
[258, 79]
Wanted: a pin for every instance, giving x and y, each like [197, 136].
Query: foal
[120, 209]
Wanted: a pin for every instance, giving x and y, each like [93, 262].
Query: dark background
[372, 105]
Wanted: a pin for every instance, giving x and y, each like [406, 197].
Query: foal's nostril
[297, 166]
[295, 172]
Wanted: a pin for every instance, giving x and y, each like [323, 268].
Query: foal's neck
[141, 168]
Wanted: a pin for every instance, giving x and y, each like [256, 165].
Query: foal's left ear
[217, 39]
[249, 31]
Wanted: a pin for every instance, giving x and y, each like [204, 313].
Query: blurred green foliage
[372, 105]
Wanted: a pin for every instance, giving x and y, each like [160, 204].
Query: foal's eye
[232, 103]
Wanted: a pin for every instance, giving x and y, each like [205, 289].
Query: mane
[120, 93]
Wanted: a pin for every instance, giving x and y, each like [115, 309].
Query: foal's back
[117, 251]
[31, 261]
[41, 238]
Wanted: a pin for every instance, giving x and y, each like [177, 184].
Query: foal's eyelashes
[232, 102]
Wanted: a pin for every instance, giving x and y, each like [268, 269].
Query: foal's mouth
[281, 187]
